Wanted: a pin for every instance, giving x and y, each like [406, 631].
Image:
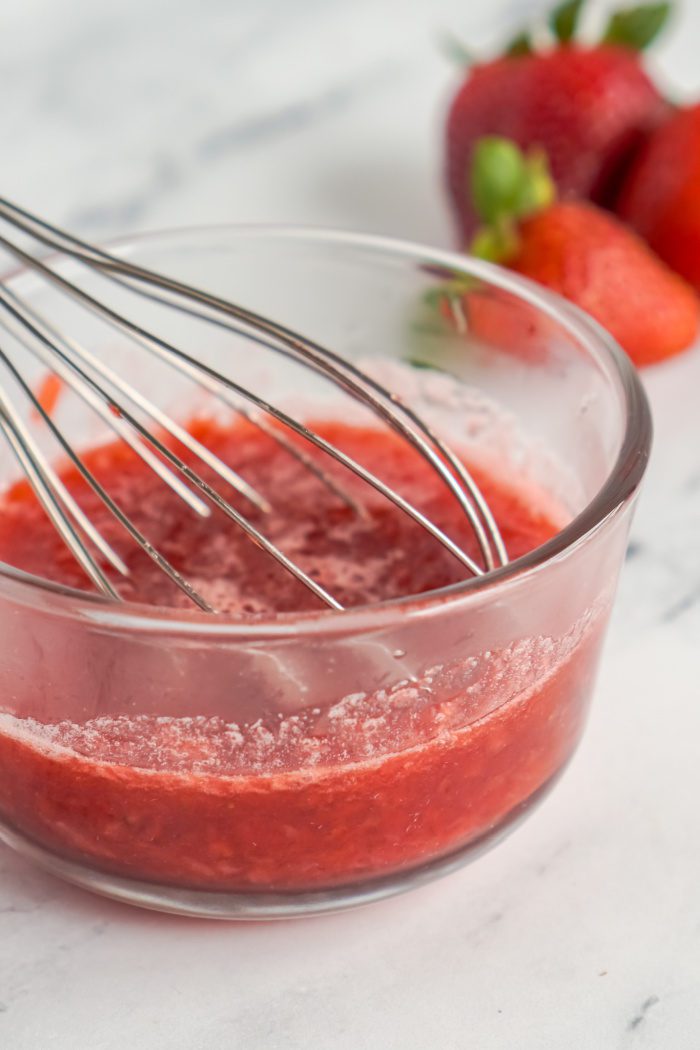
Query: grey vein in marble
[640, 1016]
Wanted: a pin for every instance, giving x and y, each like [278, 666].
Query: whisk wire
[166, 349]
[255, 534]
[71, 346]
[49, 495]
[96, 383]
[72, 378]
[77, 544]
[356, 382]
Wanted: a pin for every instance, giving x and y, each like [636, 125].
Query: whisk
[122, 407]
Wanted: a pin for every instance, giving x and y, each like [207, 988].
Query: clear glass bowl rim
[614, 494]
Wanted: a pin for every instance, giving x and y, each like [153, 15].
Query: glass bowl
[321, 760]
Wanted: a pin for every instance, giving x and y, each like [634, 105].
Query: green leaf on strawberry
[456, 51]
[507, 185]
[564, 19]
[424, 366]
[579, 251]
[519, 45]
[498, 174]
[506, 182]
[637, 27]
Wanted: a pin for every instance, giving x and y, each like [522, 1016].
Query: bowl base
[260, 904]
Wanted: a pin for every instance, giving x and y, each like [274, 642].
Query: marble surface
[582, 930]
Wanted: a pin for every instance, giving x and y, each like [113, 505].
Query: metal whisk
[115, 400]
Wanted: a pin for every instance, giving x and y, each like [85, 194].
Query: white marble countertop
[583, 929]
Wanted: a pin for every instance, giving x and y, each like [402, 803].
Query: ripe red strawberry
[576, 249]
[661, 197]
[589, 257]
[588, 108]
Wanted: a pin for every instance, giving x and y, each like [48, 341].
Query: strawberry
[590, 258]
[576, 249]
[588, 108]
[661, 197]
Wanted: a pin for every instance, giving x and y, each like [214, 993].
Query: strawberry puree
[371, 784]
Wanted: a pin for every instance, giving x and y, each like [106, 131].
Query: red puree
[373, 784]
